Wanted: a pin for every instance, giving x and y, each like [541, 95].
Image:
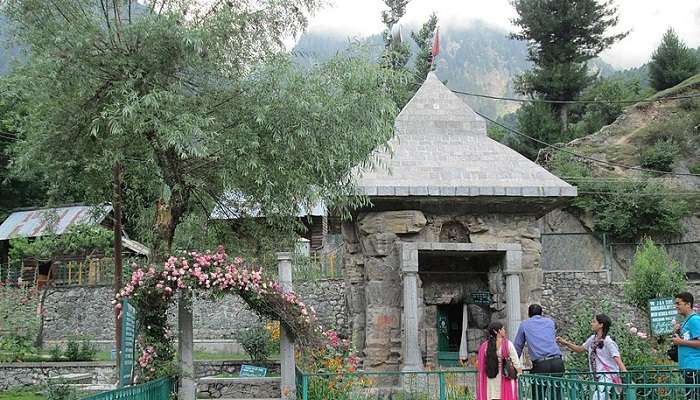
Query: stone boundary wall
[88, 312]
[15, 375]
[564, 293]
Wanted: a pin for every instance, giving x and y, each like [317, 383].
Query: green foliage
[256, 341]
[689, 104]
[19, 322]
[61, 391]
[672, 62]
[661, 156]
[636, 347]
[627, 209]
[396, 54]
[562, 36]
[55, 353]
[207, 105]
[694, 169]
[79, 350]
[654, 274]
[79, 239]
[537, 121]
[592, 117]
[424, 40]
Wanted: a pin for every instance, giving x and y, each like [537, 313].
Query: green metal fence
[639, 384]
[452, 384]
[160, 389]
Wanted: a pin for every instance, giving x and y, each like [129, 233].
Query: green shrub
[60, 391]
[653, 274]
[56, 353]
[257, 342]
[689, 104]
[627, 209]
[79, 349]
[661, 156]
[694, 169]
[72, 352]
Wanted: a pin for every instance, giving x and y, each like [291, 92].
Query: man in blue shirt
[540, 335]
[687, 338]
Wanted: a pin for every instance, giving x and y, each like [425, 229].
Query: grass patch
[20, 395]
[686, 84]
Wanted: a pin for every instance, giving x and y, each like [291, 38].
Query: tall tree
[194, 102]
[672, 62]
[424, 56]
[396, 52]
[562, 36]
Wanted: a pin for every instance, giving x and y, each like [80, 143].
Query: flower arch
[153, 290]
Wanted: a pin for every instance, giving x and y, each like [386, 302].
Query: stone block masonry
[87, 312]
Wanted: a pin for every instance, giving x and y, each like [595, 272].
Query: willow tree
[196, 99]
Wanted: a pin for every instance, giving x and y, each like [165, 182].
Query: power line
[519, 100]
[613, 164]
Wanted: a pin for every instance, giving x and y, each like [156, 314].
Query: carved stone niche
[454, 232]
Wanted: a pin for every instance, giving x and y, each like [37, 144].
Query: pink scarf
[509, 387]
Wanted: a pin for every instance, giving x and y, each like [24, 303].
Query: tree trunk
[564, 117]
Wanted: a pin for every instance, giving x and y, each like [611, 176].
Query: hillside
[619, 196]
[475, 58]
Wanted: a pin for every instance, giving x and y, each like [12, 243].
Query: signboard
[662, 312]
[481, 298]
[128, 345]
[250, 370]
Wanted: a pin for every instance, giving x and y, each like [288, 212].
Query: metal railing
[160, 389]
[457, 384]
[65, 272]
[639, 384]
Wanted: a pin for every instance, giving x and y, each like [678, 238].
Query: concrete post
[512, 273]
[287, 362]
[412, 360]
[188, 386]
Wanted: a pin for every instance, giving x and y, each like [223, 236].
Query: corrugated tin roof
[39, 222]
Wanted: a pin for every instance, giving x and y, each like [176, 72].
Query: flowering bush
[151, 290]
[335, 357]
[257, 342]
[637, 348]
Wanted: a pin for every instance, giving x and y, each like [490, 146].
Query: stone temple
[451, 241]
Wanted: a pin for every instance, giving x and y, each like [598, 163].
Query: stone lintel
[437, 246]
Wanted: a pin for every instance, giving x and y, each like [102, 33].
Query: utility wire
[519, 100]
[612, 164]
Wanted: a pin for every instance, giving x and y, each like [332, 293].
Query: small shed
[80, 267]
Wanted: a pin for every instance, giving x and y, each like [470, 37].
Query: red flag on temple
[436, 44]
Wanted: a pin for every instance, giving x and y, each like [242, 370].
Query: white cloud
[647, 20]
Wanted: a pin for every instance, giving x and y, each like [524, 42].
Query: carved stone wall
[373, 284]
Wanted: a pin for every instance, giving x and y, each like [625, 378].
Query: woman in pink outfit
[492, 385]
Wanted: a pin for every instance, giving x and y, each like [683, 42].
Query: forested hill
[475, 58]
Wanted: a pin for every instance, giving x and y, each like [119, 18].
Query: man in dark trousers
[540, 335]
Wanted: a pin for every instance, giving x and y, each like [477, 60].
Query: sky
[646, 20]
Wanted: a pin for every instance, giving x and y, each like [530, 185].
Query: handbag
[673, 353]
[509, 371]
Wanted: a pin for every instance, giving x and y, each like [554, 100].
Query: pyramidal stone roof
[440, 148]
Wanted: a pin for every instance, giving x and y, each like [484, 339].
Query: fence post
[441, 377]
[287, 364]
[305, 387]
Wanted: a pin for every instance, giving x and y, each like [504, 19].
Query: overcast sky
[647, 20]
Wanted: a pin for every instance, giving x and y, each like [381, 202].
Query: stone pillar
[512, 273]
[412, 360]
[287, 363]
[185, 347]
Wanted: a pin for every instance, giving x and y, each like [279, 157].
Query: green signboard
[128, 345]
[662, 312]
[250, 370]
[481, 298]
